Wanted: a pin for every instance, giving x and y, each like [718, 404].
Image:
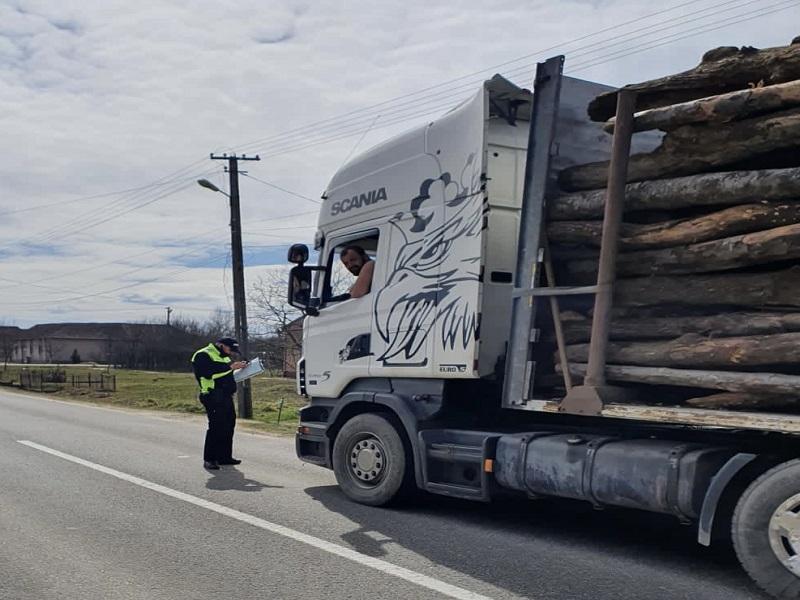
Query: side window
[341, 279]
[348, 268]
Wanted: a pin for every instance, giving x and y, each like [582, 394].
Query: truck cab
[437, 209]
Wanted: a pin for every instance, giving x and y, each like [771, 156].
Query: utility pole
[244, 395]
[169, 311]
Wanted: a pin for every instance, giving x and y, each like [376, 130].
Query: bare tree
[8, 336]
[219, 324]
[268, 296]
[188, 325]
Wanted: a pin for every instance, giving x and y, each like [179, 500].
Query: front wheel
[370, 461]
[766, 530]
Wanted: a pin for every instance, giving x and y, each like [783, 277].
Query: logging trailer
[434, 379]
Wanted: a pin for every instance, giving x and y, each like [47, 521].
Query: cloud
[110, 96]
[279, 28]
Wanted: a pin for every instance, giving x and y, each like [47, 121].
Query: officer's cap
[230, 343]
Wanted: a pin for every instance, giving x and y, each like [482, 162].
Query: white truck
[426, 381]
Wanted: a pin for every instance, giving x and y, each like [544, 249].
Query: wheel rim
[784, 534]
[367, 460]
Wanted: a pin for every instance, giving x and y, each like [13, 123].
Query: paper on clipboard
[254, 367]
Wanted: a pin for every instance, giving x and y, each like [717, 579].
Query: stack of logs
[707, 297]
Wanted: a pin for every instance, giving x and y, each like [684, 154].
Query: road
[102, 503]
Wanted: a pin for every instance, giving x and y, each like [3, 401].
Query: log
[761, 247]
[722, 325]
[720, 224]
[719, 72]
[742, 400]
[714, 109]
[562, 254]
[697, 148]
[660, 311]
[710, 189]
[773, 289]
[692, 350]
[757, 383]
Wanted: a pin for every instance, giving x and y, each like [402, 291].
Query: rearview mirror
[298, 254]
[300, 289]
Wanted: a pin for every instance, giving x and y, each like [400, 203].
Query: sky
[109, 111]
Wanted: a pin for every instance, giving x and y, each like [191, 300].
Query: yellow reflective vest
[207, 384]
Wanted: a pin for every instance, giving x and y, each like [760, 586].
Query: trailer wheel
[369, 460]
[766, 530]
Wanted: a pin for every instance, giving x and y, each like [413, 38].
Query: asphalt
[69, 530]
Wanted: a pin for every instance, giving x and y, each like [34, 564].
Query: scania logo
[358, 201]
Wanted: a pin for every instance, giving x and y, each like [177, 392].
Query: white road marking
[375, 563]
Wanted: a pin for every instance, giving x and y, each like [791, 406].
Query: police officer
[213, 370]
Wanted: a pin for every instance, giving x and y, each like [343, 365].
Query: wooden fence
[99, 381]
[46, 381]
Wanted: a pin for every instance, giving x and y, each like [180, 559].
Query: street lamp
[244, 395]
[207, 184]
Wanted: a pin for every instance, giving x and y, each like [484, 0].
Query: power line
[67, 231]
[267, 246]
[44, 287]
[166, 180]
[675, 36]
[78, 224]
[683, 19]
[361, 139]
[146, 308]
[53, 232]
[302, 214]
[118, 261]
[670, 39]
[99, 221]
[315, 125]
[63, 230]
[260, 234]
[347, 128]
[80, 199]
[106, 292]
[133, 284]
[195, 236]
[338, 123]
[277, 187]
[168, 259]
[404, 116]
[355, 117]
[120, 276]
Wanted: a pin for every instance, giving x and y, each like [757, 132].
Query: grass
[176, 392]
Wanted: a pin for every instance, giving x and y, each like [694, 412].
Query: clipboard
[253, 368]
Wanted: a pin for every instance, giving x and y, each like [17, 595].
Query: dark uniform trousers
[221, 422]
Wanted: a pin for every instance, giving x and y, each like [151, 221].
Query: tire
[761, 538]
[370, 461]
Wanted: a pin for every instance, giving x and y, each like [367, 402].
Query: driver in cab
[358, 262]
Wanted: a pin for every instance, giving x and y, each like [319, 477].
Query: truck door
[341, 349]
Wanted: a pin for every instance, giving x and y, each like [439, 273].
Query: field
[175, 392]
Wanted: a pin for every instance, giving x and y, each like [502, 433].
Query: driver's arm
[364, 281]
